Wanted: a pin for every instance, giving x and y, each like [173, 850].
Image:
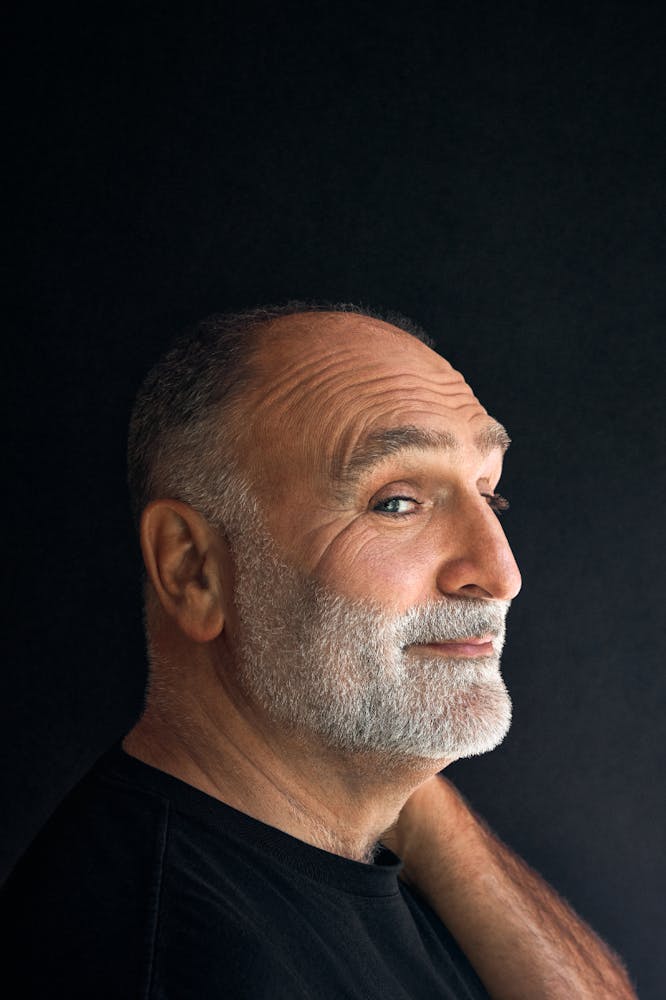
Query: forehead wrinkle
[334, 385]
[285, 367]
[387, 406]
[296, 377]
[288, 359]
[473, 403]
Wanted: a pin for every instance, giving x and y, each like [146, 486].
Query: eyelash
[496, 502]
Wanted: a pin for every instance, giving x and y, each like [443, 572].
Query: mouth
[473, 646]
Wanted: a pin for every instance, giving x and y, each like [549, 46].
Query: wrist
[435, 823]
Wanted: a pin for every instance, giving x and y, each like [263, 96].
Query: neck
[341, 803]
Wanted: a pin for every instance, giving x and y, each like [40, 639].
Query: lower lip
[461, 648]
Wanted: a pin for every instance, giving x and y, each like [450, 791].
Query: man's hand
[523, 940]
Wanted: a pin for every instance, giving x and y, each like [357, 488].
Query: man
[326, 589]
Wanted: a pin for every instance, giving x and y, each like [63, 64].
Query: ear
[188, 565]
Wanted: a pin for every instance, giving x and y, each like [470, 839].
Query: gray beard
[337, 669]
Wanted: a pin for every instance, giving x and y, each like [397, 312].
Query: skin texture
[359, 376]
[326, 383]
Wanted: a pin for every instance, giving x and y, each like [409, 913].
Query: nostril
[474, 590]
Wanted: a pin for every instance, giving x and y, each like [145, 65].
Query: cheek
[395, 570]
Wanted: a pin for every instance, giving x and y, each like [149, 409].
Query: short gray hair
[185, 425]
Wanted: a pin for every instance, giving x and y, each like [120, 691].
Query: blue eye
[397, 506]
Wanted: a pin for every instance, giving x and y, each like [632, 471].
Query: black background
[495, 171]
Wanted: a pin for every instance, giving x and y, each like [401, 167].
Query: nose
[477, 561]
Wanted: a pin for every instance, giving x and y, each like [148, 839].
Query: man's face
[371, 461]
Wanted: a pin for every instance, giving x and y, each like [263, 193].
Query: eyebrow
[379, 445]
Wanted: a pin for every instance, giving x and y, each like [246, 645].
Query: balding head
[188, 430]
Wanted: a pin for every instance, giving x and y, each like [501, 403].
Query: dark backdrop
[496, 171]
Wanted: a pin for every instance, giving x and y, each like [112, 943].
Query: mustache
[446, 619]
[451, 619]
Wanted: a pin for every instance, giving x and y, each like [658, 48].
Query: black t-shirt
[142, 886]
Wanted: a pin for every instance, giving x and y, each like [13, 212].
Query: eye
[396, 506]
[496, 502]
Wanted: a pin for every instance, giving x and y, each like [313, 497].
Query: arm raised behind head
[524, 941]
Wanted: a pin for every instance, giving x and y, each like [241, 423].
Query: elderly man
[326, 588]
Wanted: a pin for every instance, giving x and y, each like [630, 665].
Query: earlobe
[185, 566]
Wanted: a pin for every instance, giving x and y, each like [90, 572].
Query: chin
[486, 733]
[476, 723]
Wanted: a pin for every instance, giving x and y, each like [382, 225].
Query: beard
[342, 671]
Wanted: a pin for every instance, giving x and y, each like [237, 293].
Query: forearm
[524, 941]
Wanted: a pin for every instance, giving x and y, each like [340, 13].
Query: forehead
[328, 381]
